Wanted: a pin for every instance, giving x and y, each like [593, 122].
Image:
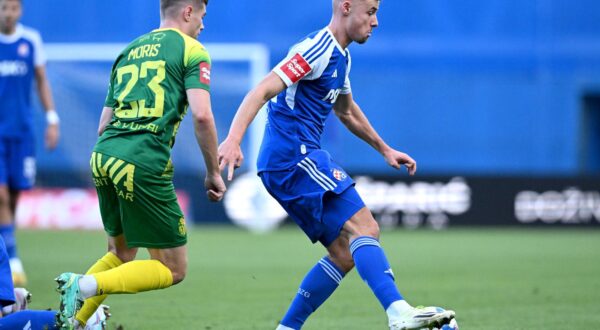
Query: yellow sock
[108, 261]
[133, 277]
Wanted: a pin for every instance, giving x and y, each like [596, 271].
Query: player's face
[362, 20]
[197, 20]
[10, 13]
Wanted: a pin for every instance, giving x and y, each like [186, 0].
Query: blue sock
[40, 320]
[317, 286]
[8, 233]
[373, 267]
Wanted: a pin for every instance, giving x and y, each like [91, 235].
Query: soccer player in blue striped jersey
[22, 60]
[301, 91]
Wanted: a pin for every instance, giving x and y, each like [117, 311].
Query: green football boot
[70, 300]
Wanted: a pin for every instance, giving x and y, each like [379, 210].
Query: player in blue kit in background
[316, 192]
[21, 60]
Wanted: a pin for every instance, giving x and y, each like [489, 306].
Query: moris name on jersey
[13, 68]
[144, 51]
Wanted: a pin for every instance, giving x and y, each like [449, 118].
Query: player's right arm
[105, 117]
[230, 152]
[206, 136]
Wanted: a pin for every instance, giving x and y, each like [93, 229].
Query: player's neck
[170, 24]
[8, 30]
[340, 36]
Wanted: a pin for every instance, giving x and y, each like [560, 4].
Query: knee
[125, 256]
[178, 274]
[369, 228]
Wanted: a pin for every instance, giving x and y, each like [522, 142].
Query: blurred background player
[152, 82]
[21, 60]
[316, 192]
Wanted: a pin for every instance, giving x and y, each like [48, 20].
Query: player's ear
[346, 7]
[187, 13]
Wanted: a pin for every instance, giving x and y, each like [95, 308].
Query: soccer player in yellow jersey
[152, 83]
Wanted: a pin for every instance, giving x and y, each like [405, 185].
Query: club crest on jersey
[296, 68]
[23, 49]
[339, 175]
[205, 73]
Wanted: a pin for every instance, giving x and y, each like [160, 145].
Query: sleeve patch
[205, 73]
[296, 68]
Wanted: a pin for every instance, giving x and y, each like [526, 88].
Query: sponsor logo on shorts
[339, 175]
[296, 68]
[29, 169]
[182, 229]
[205, 73]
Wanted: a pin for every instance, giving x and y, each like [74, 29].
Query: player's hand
[396, 159]
[52, 135]
[215, 187]
[230, 157]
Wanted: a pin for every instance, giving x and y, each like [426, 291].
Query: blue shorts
[17, 163]
[7, 292]
[317, 194]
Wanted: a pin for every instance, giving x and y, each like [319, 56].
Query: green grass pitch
[493, 278]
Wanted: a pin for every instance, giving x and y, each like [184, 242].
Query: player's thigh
[22, 166]
[338, 210]
[110, 209]
[151, 214]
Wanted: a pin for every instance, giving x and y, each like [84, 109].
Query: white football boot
[98, 320]
[22, 300]
[422, 318]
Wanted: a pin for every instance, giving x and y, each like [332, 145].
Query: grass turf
[493, 278]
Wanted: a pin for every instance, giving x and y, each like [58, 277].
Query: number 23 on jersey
[133, 98]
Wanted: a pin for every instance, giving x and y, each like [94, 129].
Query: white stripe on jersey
[290, 96]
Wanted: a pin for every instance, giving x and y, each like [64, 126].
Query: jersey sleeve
[39, 56]
[346, 89]
[305, 61]
[293, 67]
[197, 67]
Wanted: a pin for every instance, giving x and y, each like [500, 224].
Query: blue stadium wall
[495, 87]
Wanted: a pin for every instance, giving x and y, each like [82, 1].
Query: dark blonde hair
[166, 5]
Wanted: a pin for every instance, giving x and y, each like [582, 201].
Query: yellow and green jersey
[147, 92]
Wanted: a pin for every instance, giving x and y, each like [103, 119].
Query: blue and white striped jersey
[315, 71]
[20, 53]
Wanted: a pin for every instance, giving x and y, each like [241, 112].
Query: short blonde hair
[167, 5]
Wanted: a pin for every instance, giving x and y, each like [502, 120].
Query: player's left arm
[45, 93]
[351, 115]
